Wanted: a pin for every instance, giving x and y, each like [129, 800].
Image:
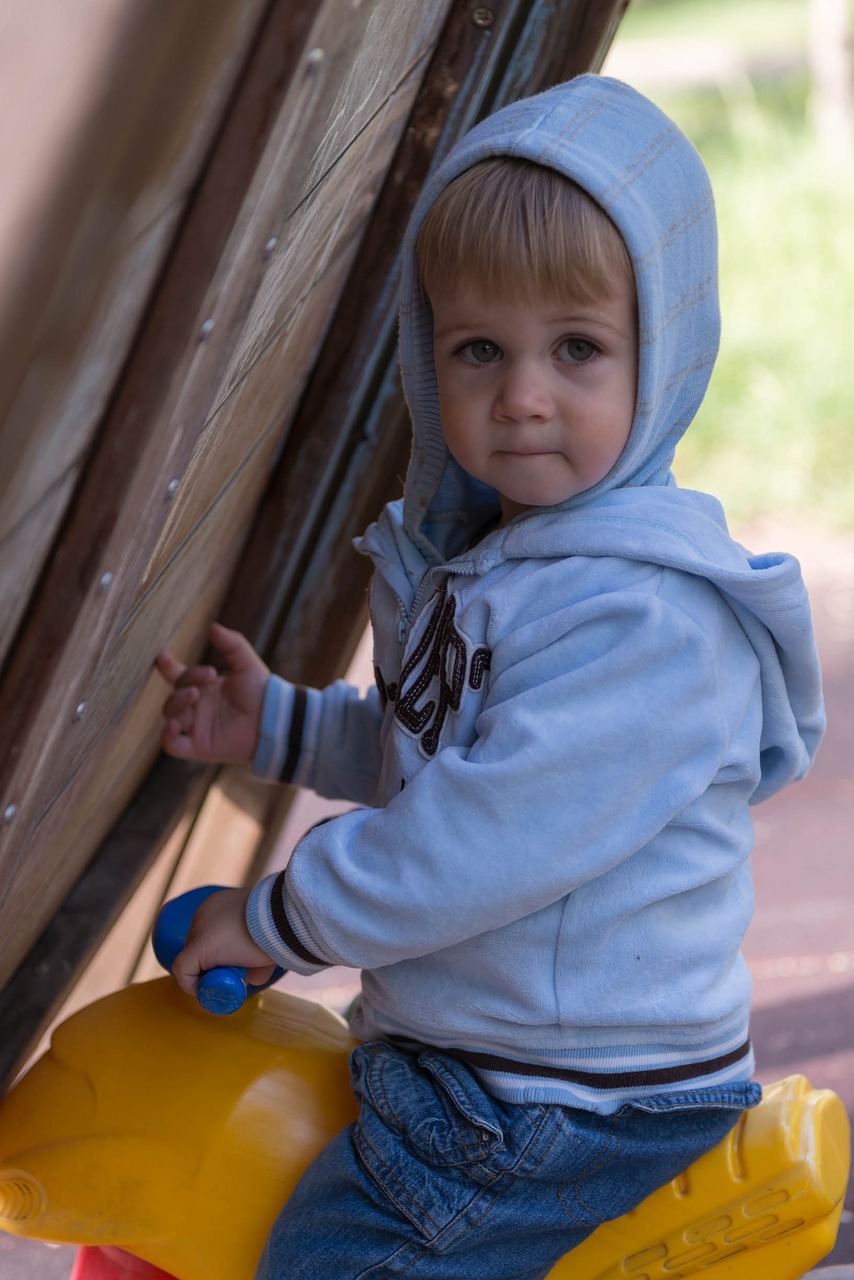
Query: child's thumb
[234, 647]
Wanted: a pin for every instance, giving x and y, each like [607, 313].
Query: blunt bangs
[522, 230]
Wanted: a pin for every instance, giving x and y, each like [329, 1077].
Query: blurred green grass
[755, 25]
[773, 436]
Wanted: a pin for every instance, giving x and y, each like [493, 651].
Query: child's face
[537, 397]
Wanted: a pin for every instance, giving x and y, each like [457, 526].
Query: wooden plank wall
[94, 189]
[216, 476]
[158, 511]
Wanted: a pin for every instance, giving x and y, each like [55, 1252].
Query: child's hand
[210, 716]
[218, 936]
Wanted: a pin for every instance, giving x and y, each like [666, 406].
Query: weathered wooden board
[55, 960]
[189, 442]
[318, 240]
[126, 954]
[24, 550]
[114, 170]
[232, 465]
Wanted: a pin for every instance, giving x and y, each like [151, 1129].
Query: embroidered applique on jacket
[434, 675]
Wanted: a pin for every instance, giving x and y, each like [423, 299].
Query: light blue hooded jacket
[550, 874]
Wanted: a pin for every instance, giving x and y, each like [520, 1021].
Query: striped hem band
[642, 1079]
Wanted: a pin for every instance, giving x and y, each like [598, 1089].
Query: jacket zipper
[426, 585]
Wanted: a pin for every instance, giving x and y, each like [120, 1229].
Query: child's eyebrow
[575, 319]
[452, 331]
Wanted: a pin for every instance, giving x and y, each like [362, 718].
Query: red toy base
[97, 1262]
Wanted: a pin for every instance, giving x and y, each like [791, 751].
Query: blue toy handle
[222, 990]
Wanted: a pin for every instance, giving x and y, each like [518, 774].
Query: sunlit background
[764, 89]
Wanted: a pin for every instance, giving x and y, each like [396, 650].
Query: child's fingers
[198, 675]
[186, 719]
[257, 977]
[179, 702]
[186, 971]
[233, 646]
[181, 676]
[169, 666]
[175, 742]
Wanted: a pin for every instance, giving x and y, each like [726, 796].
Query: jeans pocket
[422, 1137]
[431, 1101]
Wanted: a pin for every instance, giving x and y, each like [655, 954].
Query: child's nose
[524, 395]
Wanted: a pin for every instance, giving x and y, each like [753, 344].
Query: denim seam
[426, 1247]
[488, 1197]
[446, 1080]
[471, 1152]
[384, 1100]
[605, 1156]
[485, 1197]
[373, 1272]
[711, 1098]
[396, 1199]
[530, 1158]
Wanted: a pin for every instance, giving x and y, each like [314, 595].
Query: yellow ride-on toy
[165, 1140]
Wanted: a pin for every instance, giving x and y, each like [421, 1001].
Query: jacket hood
[647, 176]
[685, 530]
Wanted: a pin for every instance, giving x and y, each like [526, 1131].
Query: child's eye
[578, 350]
[481, 351]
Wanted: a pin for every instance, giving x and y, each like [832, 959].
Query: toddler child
[582, 683]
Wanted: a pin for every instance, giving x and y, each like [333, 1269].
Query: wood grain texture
[24, 550]
[27, 1001]
[263, 384]
[85, 264]
[203, 405]
[310, 266]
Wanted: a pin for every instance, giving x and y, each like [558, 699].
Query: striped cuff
[282, 730]
[273, 929]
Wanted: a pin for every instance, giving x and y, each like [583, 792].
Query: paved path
[801, 944]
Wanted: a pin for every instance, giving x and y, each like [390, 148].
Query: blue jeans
[438, 1180]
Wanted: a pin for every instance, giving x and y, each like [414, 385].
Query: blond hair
[521, 229]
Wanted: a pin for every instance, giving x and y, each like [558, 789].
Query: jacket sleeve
[327, 740]
[597, 731]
